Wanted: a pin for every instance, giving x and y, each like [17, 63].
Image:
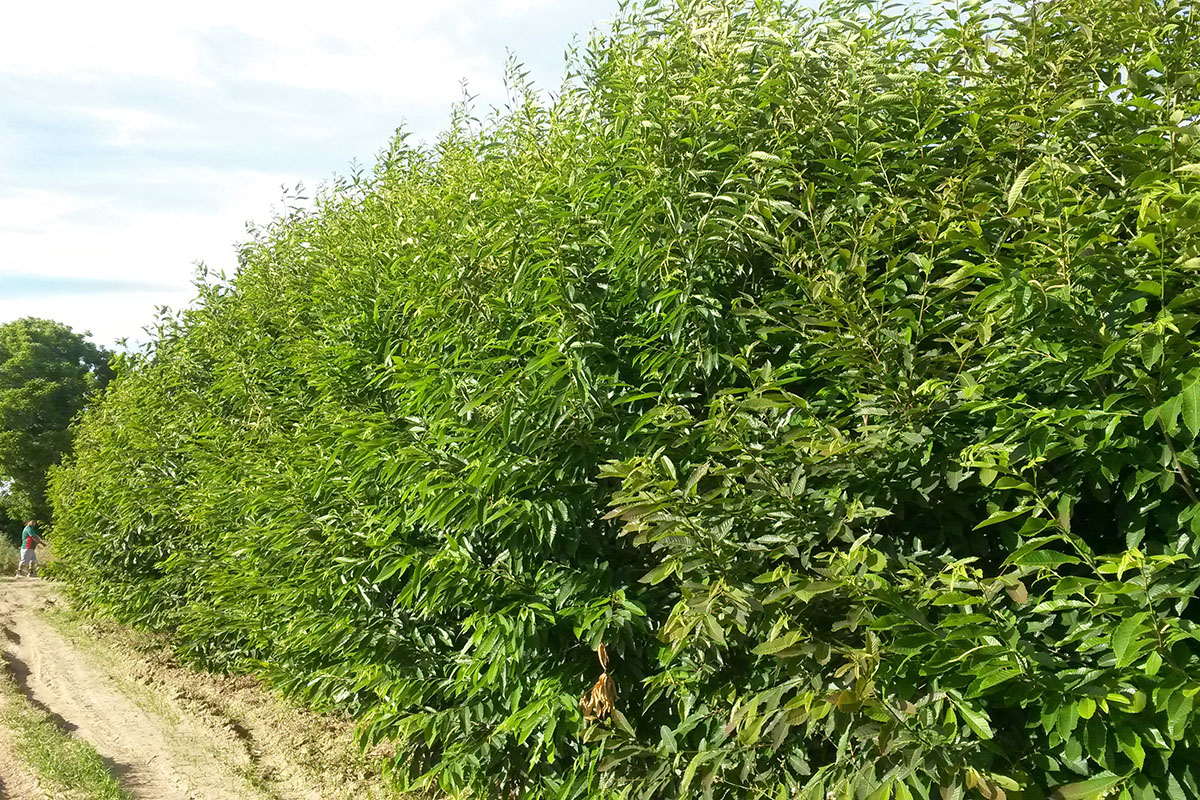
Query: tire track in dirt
[155, 753]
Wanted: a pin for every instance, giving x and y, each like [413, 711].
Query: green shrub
[836, 370]
[10, 557]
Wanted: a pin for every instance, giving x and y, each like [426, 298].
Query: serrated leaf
[1147, 242]
[697, 474]
[759, 155]
[954, 791]
[1029, 547]
[1068, 718]
[977, 721]
[1190, 407]
[1131, 745]
[993, 678]
[622, 722]
[1046, 559]
[697, 761]
[1124, 639]
[1018, 186]
[1179, 712]
[659, 573]
[773, 646]
[1174, 789]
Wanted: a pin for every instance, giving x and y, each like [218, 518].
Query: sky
[139, 138]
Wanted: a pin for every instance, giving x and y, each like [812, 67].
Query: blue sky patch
[20, 286]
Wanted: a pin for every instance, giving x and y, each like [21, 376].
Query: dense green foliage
[10, 526]
[47, 373]
[837, 370]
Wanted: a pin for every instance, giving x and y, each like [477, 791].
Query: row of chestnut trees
[832, 374]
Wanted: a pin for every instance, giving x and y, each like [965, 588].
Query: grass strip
[63, 763]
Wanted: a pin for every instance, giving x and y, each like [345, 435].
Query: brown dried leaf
[600, 700]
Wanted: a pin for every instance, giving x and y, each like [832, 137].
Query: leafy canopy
[47, 374]
[836, 370]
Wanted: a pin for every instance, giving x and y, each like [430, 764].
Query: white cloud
[153, 246]
[35, 212]
[159, 248]
[512, 8]
[393, 69]
[128, 127]
[89, 39]
[401, 50]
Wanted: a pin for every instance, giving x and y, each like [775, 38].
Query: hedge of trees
[799, 404]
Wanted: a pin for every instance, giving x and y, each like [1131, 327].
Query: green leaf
[1191, 407]
[952, 791]
[1068, 718]
[1147, 241]
[1030, 546]
[1179, 713]
[1124, 642]
[1046, 559]
[993, 677]
[977, 721]
[882, 792]
[667, 736]
[759, 155]
[1168, 413]
[660, 573]
[1152, 350]
[698, 760]
[1090, 789]
[1003, 516]
[1086, 708]
[773, 646]
[1131, 745]
[622, 722]
[1018, 186]
[1174, 789]
[633, 398]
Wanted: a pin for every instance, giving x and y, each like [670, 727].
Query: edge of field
[40, 757]
[294, 752]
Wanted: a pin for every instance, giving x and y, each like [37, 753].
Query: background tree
[47, 373]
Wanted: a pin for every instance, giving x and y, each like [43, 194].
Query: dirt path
[166, 732]
[151, 753]
[15, 781]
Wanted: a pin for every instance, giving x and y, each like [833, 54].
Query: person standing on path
[31, 537]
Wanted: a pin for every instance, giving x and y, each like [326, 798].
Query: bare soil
[15, 781]
[168, 732]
